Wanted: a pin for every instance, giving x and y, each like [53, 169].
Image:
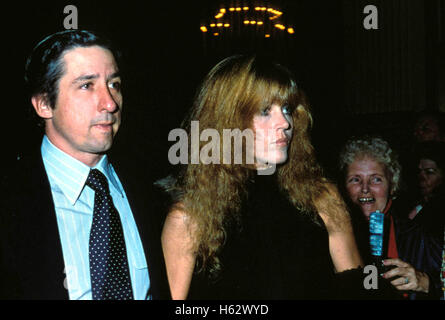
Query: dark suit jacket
[31, 260]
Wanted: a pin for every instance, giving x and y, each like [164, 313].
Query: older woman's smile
[367, 184]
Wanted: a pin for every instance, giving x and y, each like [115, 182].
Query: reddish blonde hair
[234, 91]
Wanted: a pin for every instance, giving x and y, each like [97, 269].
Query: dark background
[358, 81]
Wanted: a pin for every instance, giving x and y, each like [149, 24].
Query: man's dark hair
[432, 150]
[45, 66]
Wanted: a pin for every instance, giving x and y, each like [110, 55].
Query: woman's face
[273, 133]
[429, 176]
[368, 185]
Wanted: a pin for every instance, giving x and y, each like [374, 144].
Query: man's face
[427, 129]
[88, 108]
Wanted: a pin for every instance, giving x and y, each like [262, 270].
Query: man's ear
[41, 106]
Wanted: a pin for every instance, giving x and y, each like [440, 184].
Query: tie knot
[97, 181]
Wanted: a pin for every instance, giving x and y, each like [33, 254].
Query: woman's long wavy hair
[235, 90]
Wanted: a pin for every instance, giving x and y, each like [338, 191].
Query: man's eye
[116, 85]
[86, 85]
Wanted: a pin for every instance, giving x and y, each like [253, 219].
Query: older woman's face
[430, 177]
[273, 133]
[368, 185]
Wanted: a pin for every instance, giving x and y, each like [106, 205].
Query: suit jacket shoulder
[31, 259]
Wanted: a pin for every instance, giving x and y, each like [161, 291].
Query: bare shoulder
[335, 215]
[177, 218]
[178, 228]
[179, 251]
[332, 208]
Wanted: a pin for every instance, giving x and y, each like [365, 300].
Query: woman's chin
[275, 159]
[366, 213]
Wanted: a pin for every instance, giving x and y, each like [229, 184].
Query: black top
[277, 252]
[420, 242]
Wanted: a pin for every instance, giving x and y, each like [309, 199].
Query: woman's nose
[365, 187]
[280, 120]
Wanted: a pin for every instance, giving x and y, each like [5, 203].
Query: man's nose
[107, 101]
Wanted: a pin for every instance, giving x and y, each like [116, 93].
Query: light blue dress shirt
[74, 203]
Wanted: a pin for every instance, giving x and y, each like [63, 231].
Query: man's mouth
[106, 126]
[365, 200]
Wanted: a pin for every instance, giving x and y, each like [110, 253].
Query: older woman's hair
[211, 194]
[376, 148]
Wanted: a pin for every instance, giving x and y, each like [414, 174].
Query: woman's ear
[392, 192]
[41, 106]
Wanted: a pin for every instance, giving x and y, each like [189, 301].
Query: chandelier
[263, 20]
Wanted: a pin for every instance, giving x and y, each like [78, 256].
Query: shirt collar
[106, 168]
[70, 174]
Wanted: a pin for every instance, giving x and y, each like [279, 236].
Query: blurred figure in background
[429, 126]
[422, 233]
[442, 273]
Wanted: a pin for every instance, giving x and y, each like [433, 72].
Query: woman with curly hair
[248, 233]
[371, 174]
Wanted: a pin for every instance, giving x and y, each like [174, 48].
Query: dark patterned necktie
[110, 275]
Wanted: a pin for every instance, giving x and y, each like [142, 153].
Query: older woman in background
[371, 174]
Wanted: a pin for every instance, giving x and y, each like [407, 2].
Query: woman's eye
[353, 180]
[265, 112]
[286, 110]
[376, 180]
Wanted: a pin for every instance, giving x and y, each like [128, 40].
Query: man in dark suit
[72, 225]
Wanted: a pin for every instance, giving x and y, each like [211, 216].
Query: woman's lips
[365, 200]
[282, 142]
